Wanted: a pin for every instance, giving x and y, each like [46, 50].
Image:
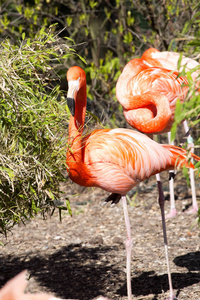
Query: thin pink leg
[194, 209]
[192, 181]
[161, 203]
[129, 243]
[173, 211]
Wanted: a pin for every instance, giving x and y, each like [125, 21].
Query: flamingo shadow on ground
[149, 283]
[85, 272]
[191, 261]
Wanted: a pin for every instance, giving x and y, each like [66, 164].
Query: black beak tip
[71, 105]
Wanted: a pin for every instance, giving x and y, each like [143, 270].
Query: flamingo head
[76, 80]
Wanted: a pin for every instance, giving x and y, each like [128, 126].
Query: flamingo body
[116, 160]
[148, 96]
[169, 60]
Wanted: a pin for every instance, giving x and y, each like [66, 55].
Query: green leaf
[69, 39]
[189, 76]
[173, 131]
[69, 207]
[33, 190]
[42, 31]
[178, 111]
[23, 35]
[179, 61]
[10, 172]
[185, 173]
[28, 41]
[83, 59]
[197, 165]
[194, 43]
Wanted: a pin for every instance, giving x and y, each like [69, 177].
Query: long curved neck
[149, 112]
[132, 69]
[76, 124]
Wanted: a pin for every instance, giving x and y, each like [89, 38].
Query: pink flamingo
[148, 96]
[115, 160]
[169, 60]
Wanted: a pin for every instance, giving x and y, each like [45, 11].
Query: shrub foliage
[33, 125]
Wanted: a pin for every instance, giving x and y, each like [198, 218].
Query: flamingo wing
[118, 159]
[169, 60]
[149, 97]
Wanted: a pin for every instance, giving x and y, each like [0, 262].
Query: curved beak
[71, 105]
[73, 86]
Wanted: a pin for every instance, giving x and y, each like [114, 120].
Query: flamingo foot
[193, 210]
[172, 298]
[171, 214]
[113, 198]
[102, 298]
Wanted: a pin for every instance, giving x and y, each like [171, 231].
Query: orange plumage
[148, 95]
[117, 159]
[169, 60]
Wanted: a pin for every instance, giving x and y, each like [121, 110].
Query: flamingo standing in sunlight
[115, 160]
[169, 60]
[148, 96]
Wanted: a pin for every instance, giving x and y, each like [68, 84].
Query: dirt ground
[84, 256]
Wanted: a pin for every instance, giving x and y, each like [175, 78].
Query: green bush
[33, 127]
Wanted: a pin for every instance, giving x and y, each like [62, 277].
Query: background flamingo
[169, 60]
[115, 160]
[148, 96]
